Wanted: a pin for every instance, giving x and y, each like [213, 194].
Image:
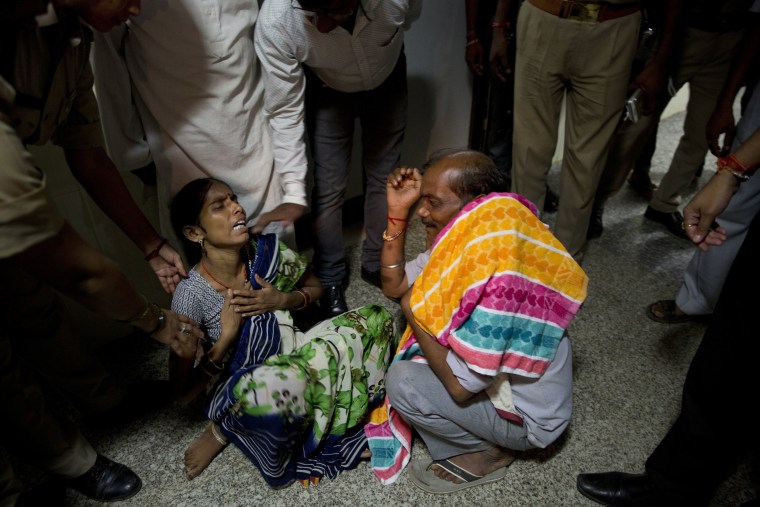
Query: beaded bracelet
[731, 164]
[736, 174]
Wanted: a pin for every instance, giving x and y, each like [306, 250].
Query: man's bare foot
[203, 450]
[477, 463]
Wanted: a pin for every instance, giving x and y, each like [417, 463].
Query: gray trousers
[447, 427]
[706, 272]
[331, 119]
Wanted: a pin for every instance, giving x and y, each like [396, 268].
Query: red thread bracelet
[154, 253]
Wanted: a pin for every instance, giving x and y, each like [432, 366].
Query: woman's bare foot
[203, 450]
[367, 454]
[477, 463]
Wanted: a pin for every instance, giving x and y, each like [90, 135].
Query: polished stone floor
[628, 373]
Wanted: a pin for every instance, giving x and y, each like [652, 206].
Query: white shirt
[286, 37]
[196, 83]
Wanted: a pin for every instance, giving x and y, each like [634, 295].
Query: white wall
[439, 81]
[439, 87]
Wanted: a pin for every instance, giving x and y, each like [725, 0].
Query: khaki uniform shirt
[27, 216]
[53, 80]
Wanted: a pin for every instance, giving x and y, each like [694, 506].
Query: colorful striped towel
[499, 290]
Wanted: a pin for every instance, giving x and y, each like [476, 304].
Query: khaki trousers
[703, 61]
[589, 64]
[37, 344]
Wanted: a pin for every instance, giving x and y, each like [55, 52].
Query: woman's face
[222, 218]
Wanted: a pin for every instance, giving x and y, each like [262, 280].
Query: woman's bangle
[392, 236]
[471, 42]
[161, 318]
[206, 362]
[306, 298]
[154, 253]
[392, 266]
[501, 24]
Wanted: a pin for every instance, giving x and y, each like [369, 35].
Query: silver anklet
[217, 435]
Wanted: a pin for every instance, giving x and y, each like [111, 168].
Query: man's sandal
[668, 309]
[423, 476]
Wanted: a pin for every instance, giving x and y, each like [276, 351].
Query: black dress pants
[722, 389]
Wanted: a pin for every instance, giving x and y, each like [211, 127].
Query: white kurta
[197, 88]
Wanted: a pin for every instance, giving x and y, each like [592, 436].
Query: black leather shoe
[107, 481]
[372, 278]
[595, 225]
[332, 301]
[618, 489]
[673, 222]
[551, 201]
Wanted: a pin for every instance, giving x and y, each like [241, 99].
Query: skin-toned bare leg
[203, 450]
[477, 463]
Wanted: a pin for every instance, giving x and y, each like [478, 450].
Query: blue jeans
[330, 120]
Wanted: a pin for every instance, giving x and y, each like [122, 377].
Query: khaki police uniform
[54, 102]
[709, 40]
[581, 51]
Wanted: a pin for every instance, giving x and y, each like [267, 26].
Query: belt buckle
[581, 11]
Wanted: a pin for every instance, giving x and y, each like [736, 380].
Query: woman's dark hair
[478, 175]
[185, 209]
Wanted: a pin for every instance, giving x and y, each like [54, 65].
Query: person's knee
[397, 381]
[399, 385]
